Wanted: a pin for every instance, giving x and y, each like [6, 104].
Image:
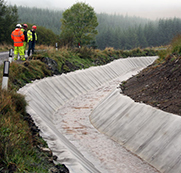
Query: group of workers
[21, 37]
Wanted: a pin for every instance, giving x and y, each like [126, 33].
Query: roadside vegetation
[5, 47]
[173, 50]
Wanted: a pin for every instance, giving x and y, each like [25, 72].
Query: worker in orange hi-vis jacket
[18, 38]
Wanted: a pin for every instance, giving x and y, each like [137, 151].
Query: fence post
[5, 75]
[56, 46]
[10, 55]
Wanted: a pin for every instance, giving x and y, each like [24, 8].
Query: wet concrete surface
[61, 106]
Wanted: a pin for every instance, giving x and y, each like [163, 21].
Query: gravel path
[72, 120]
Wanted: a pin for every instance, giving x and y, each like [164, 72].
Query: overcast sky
[152, 9]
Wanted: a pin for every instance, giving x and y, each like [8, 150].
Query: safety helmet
[25, 25]
[34, 27]
[18, 26]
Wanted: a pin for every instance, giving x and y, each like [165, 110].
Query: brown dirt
[159, 85]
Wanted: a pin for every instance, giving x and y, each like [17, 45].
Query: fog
[148, 9]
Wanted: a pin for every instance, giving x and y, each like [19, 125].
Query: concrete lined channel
[62, 105]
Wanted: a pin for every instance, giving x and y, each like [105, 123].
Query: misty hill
[118, 31]
[51, 19]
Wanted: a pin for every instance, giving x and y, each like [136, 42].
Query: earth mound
[159, 85]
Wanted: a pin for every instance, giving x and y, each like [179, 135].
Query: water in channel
[72, 120]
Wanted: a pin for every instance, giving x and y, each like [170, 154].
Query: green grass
[5, 47]
[173, 51]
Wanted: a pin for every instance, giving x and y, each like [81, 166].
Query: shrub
[176, 45]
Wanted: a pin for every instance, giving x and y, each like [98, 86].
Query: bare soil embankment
[158, 85]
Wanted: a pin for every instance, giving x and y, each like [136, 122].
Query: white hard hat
[18, 26]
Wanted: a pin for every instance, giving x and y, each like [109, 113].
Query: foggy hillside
[118, 31]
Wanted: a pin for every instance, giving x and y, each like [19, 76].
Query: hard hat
[34, 27]
[18, 26]
[25, 25]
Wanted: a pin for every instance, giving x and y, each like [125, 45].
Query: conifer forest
[114, 30]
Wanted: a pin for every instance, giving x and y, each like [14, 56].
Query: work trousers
[24, 46]
[31, 47]
[20, 50]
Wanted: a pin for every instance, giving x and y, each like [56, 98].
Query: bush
[176, 45]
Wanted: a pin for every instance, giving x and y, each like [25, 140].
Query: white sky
[152, 9]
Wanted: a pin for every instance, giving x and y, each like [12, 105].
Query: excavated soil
[159, 85]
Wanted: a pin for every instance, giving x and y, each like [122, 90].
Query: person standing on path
[32, 38]
[25, 26]
[18, 37]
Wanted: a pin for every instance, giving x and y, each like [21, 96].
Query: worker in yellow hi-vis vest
[32, 38]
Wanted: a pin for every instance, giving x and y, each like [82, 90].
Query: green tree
[141, 37]
[47, 18]
[8, 21]
[79, 22]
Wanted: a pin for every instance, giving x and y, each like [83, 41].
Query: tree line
[114, 30]
[49, 19]
[151, 34]
[8, 17]
[11, 15]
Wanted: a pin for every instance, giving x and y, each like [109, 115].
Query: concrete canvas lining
[45, 97]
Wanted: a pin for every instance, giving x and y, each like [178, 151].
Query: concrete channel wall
[150, 133]
[46, 96]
